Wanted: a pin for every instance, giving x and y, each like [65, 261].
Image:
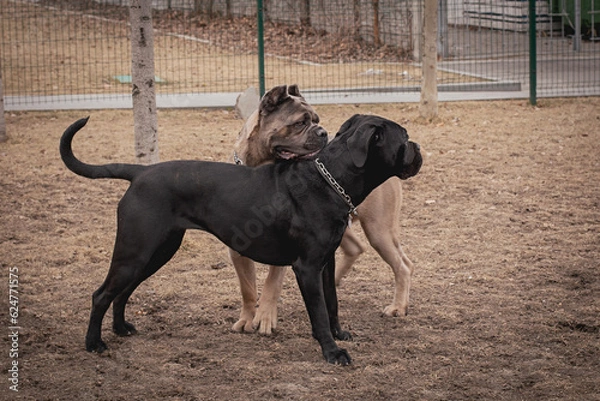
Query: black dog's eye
[377, 137]
[299, 124]
[378, 134]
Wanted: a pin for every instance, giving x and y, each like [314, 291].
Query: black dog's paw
[127, 329]
[343, 335]
[338, 357]
[98, 346]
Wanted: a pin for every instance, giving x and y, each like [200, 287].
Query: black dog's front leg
[331, 301]
[310, 282]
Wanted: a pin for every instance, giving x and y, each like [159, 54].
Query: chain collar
[236, 159]
[327, 176]
[337, 187]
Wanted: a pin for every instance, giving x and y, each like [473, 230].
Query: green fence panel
[75, 53]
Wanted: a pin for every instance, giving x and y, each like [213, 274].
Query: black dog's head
[381, 142]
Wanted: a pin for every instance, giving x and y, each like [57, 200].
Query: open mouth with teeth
[285, 154]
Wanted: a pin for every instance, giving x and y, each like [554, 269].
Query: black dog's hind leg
[331, 300]
[163, 254]
[116, 281]
[140, 250]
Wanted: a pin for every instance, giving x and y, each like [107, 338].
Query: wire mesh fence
[491, 40]
[65, 53]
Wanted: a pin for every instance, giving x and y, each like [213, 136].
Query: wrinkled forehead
[360, 124]
[301, 105]
[396, 129]
[295, 109]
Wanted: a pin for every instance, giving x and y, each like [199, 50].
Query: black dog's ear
[359, 143]
[348, 123]
[273, 98]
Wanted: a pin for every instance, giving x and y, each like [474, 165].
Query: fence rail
[76, 53]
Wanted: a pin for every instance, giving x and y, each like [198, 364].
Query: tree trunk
[376, 34]
[357, 21]
[205, 7]
[3, 136]
[142, 74]
[228, 13]
[305, 13]
[210, 9]
[429, 95]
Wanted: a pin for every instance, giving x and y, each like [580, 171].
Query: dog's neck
[336, 186]
[253, 153]
[356, 182]
[250, 149]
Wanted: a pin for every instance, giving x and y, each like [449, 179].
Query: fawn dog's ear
[273, 98]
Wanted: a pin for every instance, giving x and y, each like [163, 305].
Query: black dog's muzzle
[411, 161]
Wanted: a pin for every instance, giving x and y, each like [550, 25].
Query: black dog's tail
[116, 170]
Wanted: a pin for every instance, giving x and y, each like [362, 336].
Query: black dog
[281, 214]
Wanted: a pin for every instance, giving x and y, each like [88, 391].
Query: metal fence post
[261, 47]
[532, 54]
[577, 37]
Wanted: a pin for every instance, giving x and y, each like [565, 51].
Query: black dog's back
[247, 208]
[244, 207]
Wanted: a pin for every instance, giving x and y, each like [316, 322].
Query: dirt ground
[502, 223]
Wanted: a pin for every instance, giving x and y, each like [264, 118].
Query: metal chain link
[337, 187]
[328, 177]
[237, 160]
